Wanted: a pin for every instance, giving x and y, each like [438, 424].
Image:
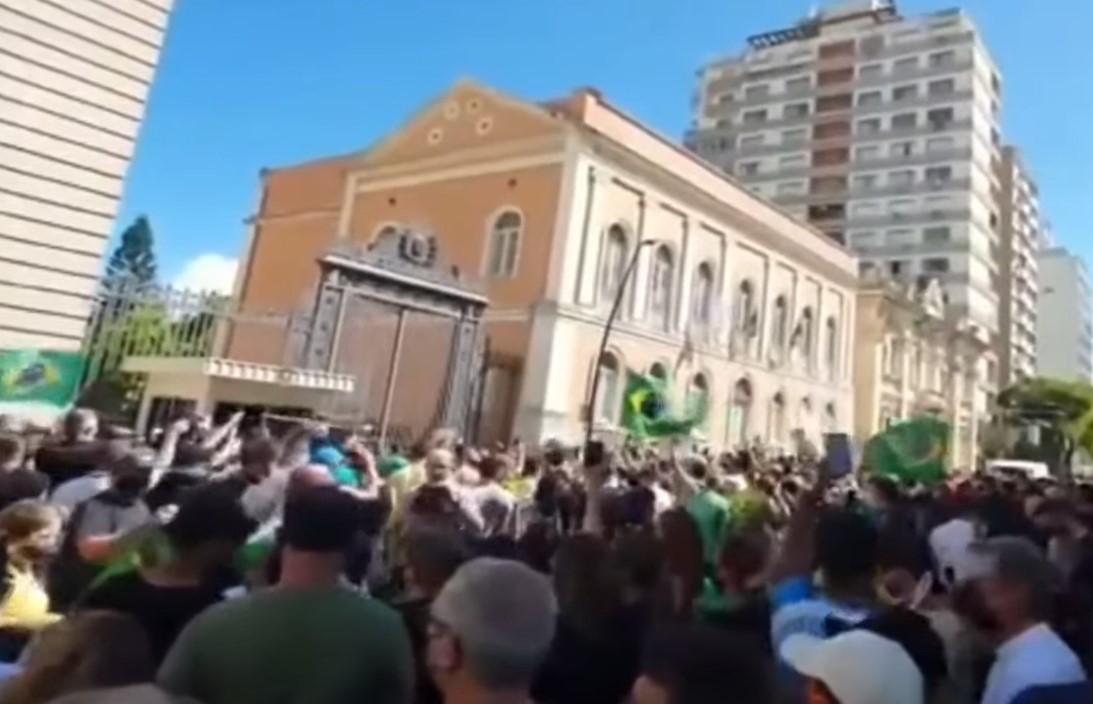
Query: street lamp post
[619, 296]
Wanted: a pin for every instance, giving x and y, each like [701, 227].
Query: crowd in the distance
[224, 565]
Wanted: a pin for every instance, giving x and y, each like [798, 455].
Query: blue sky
[246, 84]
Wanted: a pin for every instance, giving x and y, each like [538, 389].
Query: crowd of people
[232, 564]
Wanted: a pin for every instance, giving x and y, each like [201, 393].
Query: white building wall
[74, 78]
[1064, 324]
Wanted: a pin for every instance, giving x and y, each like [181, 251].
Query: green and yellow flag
[646, 412]
[915, 450]
[39, 383]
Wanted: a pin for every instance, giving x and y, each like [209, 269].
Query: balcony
[920, 187]
[913, 159]
[898, 219]
[943, 41]
[843, 140]
[921, 100]
[920, 72]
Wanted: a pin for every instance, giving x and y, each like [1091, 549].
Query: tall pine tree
[133, 262]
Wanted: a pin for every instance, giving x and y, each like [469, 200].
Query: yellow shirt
[26, 605]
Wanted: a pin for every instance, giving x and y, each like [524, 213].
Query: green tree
[133, 262]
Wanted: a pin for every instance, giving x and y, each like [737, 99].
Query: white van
[1032, 470]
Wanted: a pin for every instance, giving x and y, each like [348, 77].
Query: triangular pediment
[467, 116]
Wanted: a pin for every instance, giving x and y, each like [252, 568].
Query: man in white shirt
[1010, 598]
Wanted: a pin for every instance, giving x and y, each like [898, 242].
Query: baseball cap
[858, 666]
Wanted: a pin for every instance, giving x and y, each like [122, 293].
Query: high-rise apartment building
[880, 129]
[74, 78]
[1022, 232]
[1064, 323]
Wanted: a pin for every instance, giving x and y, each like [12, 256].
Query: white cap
[858, 666]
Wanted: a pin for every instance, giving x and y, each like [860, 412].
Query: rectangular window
[871, 71]
[938, 175]
[747, 168]
[798, 84]
[946, 86]
[795, 110]
[754, 117]
[752, 140]
[869, 127]
[903, 206]
[866, 209]
[797, 136]
[940, 118]
[901, 148]
[758, 91]
[899, 238]
[865, 238]
[901, 178]
[936, 235]
[897, 267]
[904, 66]
[909, 92]
[904, 121]
[867, 153]
[865, 182]
[935, 265]
[937, 145]
[942, 58]
[872, 97]
[792, 161]
[790, 188]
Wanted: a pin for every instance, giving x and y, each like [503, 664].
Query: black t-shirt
[163, 611]
[20, 484]
[62, 462]
[415, 616]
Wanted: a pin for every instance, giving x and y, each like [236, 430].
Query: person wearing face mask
[29, 531]
[106, 526]
[1010, 600]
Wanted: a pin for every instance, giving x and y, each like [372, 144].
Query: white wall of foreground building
[756, 387]
[1064, 323]
[74, 81]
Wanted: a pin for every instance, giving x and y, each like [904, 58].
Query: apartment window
[872, 97]
[904, 92]
[790, 188]
[757, 91]
[935, 265]
[864, 182]
[901, 178]
[904, 121]
[747, 168]
[946, 86]
[905, 65]
[753, 140]
[792, 161]
[897, 267]
[869, 127]
[942, 58]
[866, 238]
[867, 209]
[903, 206]
[797, 136]
[867, 153]
[724, 98]
[899, 238]
[798, 84]
[938, 175]
[871, 71]
[505, 244]
[795, 110]
[936, 235]
[937, 204]
[937, 145]
[901, 148]
[940, 118]
[753, 117]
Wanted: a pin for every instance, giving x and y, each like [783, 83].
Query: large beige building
[1022, 234]
[545, 204]
[914, 353]
[74, 78]
[881, 129]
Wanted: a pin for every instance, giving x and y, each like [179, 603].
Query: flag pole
[590, 419]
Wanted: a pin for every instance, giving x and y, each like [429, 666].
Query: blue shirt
[797, 609]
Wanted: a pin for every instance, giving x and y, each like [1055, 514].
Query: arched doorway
[739, 414]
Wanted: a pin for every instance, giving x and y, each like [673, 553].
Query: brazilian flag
[646, 413]
[913, 451]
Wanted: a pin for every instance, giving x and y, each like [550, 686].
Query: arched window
[609, 394]
[745, 304]
[779, 325]
[698, 397]
[660, 288]
[615, 253]
[658, 371]
[504, 244]
[702, 295]
[739, 413]
[804, 335]
[830, 419]
[831, 352]
[778, 420]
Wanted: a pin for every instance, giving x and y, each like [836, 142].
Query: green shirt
[711, 513]
[294, 646]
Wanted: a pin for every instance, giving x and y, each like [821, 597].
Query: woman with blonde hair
[29, 534]
[93, 650]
